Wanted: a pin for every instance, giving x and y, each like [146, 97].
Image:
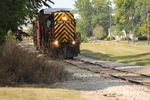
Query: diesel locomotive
[55, 33]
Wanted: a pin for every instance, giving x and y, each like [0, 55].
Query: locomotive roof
[53, 10]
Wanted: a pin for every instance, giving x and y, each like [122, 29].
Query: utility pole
[110, 25]
[148, 31]
[110, 20]
[148, 25]
[132, 25]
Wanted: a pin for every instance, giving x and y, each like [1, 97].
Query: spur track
[135, 78]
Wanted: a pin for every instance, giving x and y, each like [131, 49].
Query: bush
[10, 35]
[125, 38]
[19, 66]
[98, 32]
[142, 38]
[84, 38]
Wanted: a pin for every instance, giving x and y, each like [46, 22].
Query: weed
[18, 66]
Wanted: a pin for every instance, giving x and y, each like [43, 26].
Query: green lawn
[38, 94]
[122, 51]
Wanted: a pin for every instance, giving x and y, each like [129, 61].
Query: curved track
[135, 78]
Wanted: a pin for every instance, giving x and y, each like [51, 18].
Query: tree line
[14, 13]
[128, 19]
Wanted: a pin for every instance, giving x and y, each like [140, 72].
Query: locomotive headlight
[64, 19]
[56, 43]
[73, 42]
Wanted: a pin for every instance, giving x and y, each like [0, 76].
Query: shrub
[10, 35]
[125, 38]
[84, 38]
[18, 66]
[142, 38]
[98, 32]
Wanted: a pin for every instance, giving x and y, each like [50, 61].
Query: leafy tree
[15, 12]
[93, 12]
[124, 14]
[101, 13]
[115, 31]
[131, 16]
[85, 10]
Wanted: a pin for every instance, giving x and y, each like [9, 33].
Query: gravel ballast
[96, 87]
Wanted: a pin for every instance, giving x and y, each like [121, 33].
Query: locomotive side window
[48, 23]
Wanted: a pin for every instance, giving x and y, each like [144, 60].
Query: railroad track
[135, 78]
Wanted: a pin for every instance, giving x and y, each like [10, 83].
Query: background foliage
[15, 13]
[129, 18]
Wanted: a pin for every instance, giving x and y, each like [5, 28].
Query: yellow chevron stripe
[70, 16]
[58, 28]
[73, 27]
[57, 32]
[69, 36]
[56, 16]
[55, 23]
[69, 27]
[69, 31]
[64, 40]
[61, 16]
[60, 35]
[64, 36]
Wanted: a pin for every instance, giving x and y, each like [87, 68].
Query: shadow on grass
[124, 59]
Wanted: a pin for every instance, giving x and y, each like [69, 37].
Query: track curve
[135, 78]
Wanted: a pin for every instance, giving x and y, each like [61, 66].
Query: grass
[122, 51]
[38, 94]
[16, 64]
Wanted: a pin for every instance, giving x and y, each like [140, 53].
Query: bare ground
[96, 87]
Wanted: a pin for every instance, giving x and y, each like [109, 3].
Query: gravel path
[95, 87]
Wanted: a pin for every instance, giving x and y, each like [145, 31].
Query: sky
[63, 4]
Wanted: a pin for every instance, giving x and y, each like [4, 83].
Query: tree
[101, 13]
[130, 15]
[15, 12]
[124, 12]
[85, 9]
[93, 12]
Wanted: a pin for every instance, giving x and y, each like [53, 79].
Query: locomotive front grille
[64, 27]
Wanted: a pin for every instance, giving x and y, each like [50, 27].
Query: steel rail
[109, 74]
